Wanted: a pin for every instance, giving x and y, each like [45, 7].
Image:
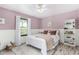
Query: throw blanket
[49, 40]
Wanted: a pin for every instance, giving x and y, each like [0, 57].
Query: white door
[20, 38]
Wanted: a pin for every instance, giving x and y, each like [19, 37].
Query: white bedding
[37, 41]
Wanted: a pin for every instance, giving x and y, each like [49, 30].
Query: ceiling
[30, 9]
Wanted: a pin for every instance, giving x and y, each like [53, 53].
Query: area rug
[66, 50]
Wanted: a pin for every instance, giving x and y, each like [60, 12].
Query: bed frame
[41, 43]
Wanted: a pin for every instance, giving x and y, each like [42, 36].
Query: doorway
[23, 26]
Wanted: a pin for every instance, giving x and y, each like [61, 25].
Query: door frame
[18, 37]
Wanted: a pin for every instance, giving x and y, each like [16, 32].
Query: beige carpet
[29, 50]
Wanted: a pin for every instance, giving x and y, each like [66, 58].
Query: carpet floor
[29, 50]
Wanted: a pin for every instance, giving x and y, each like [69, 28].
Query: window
[23, 23]
[23, 27]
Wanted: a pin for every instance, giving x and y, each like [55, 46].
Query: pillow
[52, 32]
[45, 32]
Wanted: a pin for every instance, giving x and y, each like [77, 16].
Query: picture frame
[2, 20]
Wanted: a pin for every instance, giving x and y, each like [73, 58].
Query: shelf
[69, 32]
[73, 45]
[69, 29]
[69, 35]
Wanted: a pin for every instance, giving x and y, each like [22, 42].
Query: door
[23, 26]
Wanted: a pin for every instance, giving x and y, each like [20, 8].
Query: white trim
[29, 26]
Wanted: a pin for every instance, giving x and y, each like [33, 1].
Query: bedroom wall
[58, 20]
[10, 19]
[7, 30]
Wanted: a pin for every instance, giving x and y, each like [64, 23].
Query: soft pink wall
[58, 20]
[10, 19]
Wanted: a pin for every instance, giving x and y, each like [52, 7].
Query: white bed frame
[41, 43]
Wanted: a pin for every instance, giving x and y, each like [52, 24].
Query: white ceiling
[30, 9]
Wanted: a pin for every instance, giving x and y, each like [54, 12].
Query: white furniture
[69, 32]
[41, 43]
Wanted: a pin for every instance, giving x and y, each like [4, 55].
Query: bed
[44, 42]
